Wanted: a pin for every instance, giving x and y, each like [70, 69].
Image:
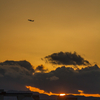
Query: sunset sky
[64, 37]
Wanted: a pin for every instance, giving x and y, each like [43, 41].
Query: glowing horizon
[34, 89]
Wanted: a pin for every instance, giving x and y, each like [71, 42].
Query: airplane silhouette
[30, 20]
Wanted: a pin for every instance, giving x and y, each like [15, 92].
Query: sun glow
[62, 94]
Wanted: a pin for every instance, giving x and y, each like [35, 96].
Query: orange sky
[59, 25]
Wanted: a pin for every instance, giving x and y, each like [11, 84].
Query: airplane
[30, 20]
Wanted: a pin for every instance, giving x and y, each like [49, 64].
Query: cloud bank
[15, 75]
[69, 80]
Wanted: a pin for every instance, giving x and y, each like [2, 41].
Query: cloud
[25, 64]
[69, 80]
[54, 78]
[66, 58]
[14, 76]
[41, 68]
[34, 89]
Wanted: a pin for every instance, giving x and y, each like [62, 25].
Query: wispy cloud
[34, 89]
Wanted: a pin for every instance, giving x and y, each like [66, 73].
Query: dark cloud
[63, 79]
[22, 63]
[66, 58]
[41, 68]
[15, 74]
[69, 80]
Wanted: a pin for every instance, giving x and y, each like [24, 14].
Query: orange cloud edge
[34, 89]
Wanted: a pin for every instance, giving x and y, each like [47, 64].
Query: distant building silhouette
[66, 98]
[18, 96]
